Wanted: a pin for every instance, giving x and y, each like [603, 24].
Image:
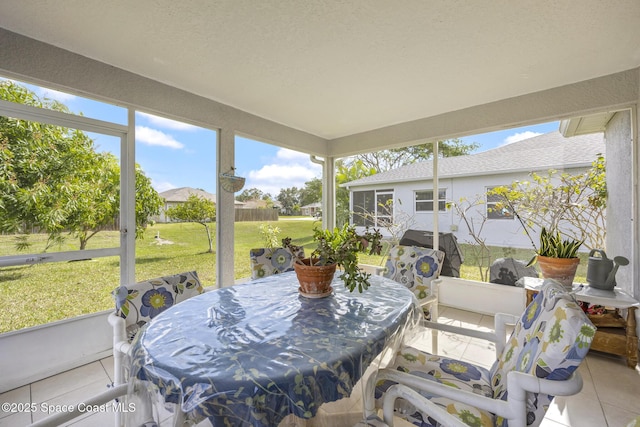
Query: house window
[496, 209]
[372, 208]
[424, 200]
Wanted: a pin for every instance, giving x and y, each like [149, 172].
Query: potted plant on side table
[337, 248]
[557, 257]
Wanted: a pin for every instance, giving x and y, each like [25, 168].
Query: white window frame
[376, 217]
[442, 200]
[126, 250]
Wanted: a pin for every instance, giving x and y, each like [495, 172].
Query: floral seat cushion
[415, 267]
[455, 373]
[141, 302]
[268, 261]
[549, 341]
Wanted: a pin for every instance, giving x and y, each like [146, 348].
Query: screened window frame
[126, 249]
[428, 202]
[491, 213]
[374, 213]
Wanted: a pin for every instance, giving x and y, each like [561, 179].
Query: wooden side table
[615, 334]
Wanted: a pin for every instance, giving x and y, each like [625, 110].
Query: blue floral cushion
[141, 302]
[549, 341]
[268, 261]
[415, 267]
[451, 372]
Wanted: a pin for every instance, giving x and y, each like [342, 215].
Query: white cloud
[162, 186]
[272, 178]
[155, 137]
[168, 123]
[520, 136]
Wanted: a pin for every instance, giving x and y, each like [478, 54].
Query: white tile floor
[610, 396]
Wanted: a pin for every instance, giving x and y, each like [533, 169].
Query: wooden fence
[256, 215]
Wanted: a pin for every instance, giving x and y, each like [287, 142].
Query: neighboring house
[311, 209]
[410, 188]
[176, 196]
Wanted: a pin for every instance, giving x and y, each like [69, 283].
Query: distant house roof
[543, 152]
[315, 205]
[182, 194]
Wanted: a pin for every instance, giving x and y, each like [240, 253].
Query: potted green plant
[335, 248]
[557, 257]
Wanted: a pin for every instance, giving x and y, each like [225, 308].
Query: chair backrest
[549, 341]
[268, 261]
[415, 267]
[142, 301]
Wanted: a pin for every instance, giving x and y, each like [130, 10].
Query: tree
[53, 180]
[574, 205]
[195, 209]
[312, 192]
[347, 172]
[473, 214]
[250, 194]
[290, 200]
[393, 158]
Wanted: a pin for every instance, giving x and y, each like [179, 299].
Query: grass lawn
[38, 294]
[42, 293]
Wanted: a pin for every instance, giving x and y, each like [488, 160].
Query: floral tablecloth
[251, 354]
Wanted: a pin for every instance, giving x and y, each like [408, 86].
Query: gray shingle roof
[540, 153]
[182, 194]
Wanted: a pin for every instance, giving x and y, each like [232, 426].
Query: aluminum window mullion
[57, 118]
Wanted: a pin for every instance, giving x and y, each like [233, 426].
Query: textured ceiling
[335, 68]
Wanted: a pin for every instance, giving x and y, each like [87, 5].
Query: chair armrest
[498, 407]
[500, 322]
[520, 381]
[120, 341]
[101, 399]
[420, 402]
[489, 336]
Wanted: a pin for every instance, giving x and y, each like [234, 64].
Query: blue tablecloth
[253, 353]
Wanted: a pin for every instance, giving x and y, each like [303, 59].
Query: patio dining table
[253, 353]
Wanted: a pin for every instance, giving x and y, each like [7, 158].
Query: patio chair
[268, 261]
[417, 268]
[138, 304]
[539, 361]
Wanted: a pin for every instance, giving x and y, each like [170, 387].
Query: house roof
[543, 152]
[182, 194]
[312, 205]
[334, 68]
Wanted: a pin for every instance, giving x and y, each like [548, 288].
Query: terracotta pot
[562, 270]
[315, 280]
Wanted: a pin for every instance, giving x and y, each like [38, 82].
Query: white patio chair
[138, 304]
[539, 361]
[418, 268]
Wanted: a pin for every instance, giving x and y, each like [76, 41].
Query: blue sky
[175, 154]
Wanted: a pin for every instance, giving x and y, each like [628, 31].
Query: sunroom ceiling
[336, 68]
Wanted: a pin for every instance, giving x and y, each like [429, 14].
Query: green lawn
[37, 294]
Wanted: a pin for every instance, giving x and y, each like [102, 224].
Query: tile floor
[610, 396]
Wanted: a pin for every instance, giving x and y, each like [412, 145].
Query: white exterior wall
[496, 232]
[620, 187]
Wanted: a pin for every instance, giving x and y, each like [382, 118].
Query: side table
[616, 334]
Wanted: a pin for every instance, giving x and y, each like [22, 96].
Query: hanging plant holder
[231, 183]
